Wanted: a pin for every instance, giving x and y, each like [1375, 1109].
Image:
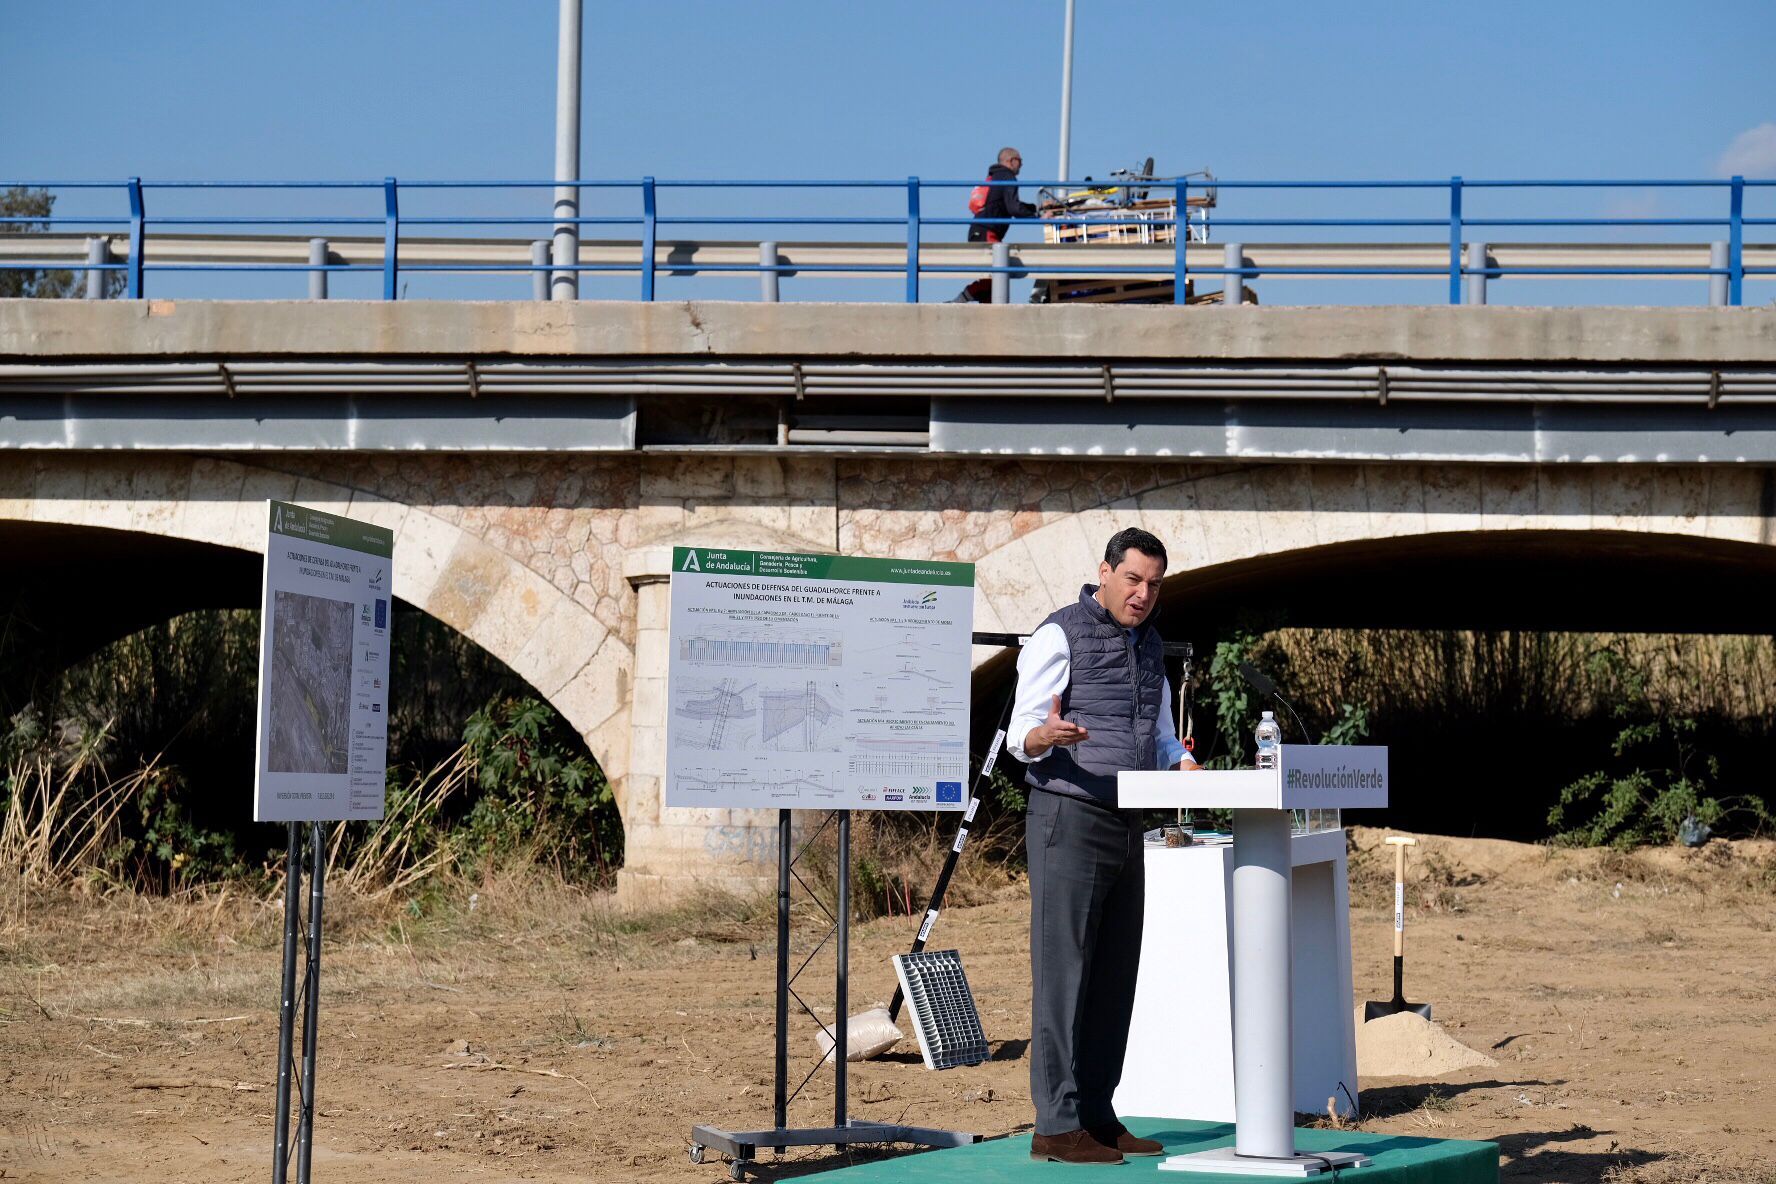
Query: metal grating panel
[942, 1008]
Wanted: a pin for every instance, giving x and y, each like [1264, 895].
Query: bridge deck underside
[1127, 409]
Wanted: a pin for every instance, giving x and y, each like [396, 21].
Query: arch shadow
[86, 587]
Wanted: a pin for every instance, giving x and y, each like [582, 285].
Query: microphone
[1257, 679]
[1260, 682]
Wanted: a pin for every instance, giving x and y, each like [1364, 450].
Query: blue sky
[677, 88]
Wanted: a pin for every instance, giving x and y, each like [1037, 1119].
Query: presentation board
[817, 681]
[324, 634]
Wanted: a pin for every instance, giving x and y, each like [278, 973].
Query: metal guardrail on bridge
[155, 243]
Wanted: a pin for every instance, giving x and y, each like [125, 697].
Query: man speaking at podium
[1092, 700]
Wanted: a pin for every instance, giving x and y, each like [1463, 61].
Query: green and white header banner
[300, 522]
[817, 681]
[715, 561]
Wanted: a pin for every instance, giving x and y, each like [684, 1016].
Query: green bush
[1659, 779]
[536, 795]
[1236, 706]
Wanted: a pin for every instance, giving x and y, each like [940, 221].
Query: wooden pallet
[1122, 290]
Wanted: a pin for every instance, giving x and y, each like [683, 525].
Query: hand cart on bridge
[1123, 212]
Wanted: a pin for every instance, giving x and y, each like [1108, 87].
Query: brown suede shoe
[1116, 1135]
[1072, 1147]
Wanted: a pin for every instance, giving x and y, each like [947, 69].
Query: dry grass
[1441, 872]
[459, 931]
[61, 817]
[896, 859]
[516, 900]
[1730, 676]
[393, 856]
[1626, 1062]
[450, 929]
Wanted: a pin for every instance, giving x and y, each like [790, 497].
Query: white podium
[1307, 777]
[1179, 1062]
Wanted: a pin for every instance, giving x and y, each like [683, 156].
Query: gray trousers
[1088, 885]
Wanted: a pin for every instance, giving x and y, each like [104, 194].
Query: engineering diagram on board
[738, 715]
[805, 718]
[718, 715]
[897, 756]
[756, 648]
[729, 784]
[909, 675]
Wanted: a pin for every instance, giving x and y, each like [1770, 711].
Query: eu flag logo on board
[949, 791]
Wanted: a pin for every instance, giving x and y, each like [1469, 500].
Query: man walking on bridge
[990, 209]
[1092, 699]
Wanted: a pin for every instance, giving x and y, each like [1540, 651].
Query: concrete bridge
[1409, 466]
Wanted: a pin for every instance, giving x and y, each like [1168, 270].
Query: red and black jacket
[1002, 203]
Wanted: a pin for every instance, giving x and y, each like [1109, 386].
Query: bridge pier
[759, 502]
[670, 853]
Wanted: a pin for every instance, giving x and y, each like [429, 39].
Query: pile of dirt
[1406, 1044]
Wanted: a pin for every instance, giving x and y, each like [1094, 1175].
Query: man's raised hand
[1060, 732]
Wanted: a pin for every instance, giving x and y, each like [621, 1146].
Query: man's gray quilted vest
[1114, 691]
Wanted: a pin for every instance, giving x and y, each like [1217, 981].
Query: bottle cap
[1269, 715]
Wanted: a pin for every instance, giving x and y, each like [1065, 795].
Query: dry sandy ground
[1631, 1004]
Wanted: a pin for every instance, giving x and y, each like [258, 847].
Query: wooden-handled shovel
[1375, 1009]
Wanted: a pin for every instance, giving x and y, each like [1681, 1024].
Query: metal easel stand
[311, 1004]
[742, 1147]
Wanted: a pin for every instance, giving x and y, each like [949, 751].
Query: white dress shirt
[1044, 667]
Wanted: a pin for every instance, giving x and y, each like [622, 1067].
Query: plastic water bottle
[1270, 741]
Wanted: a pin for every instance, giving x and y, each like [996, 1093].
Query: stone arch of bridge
[574, 661]
[1237, 526]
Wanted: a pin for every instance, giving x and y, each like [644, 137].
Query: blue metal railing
[647, 190]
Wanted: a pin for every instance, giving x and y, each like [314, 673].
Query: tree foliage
[49, 284]
[537, 796]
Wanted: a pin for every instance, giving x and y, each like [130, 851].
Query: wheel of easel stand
[697, 1152]
[737, 1169]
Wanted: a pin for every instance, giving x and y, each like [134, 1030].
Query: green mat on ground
[1399, 1159]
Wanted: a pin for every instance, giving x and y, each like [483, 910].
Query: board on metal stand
[321, 749]
[742, 1148]
[820, 682]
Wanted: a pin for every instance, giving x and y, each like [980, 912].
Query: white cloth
[1044, 667]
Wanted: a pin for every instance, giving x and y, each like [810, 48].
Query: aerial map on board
[311, 657]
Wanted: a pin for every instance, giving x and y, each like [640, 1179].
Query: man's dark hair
[1133, 538]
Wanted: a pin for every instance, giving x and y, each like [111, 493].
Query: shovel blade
[1375, 1009]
